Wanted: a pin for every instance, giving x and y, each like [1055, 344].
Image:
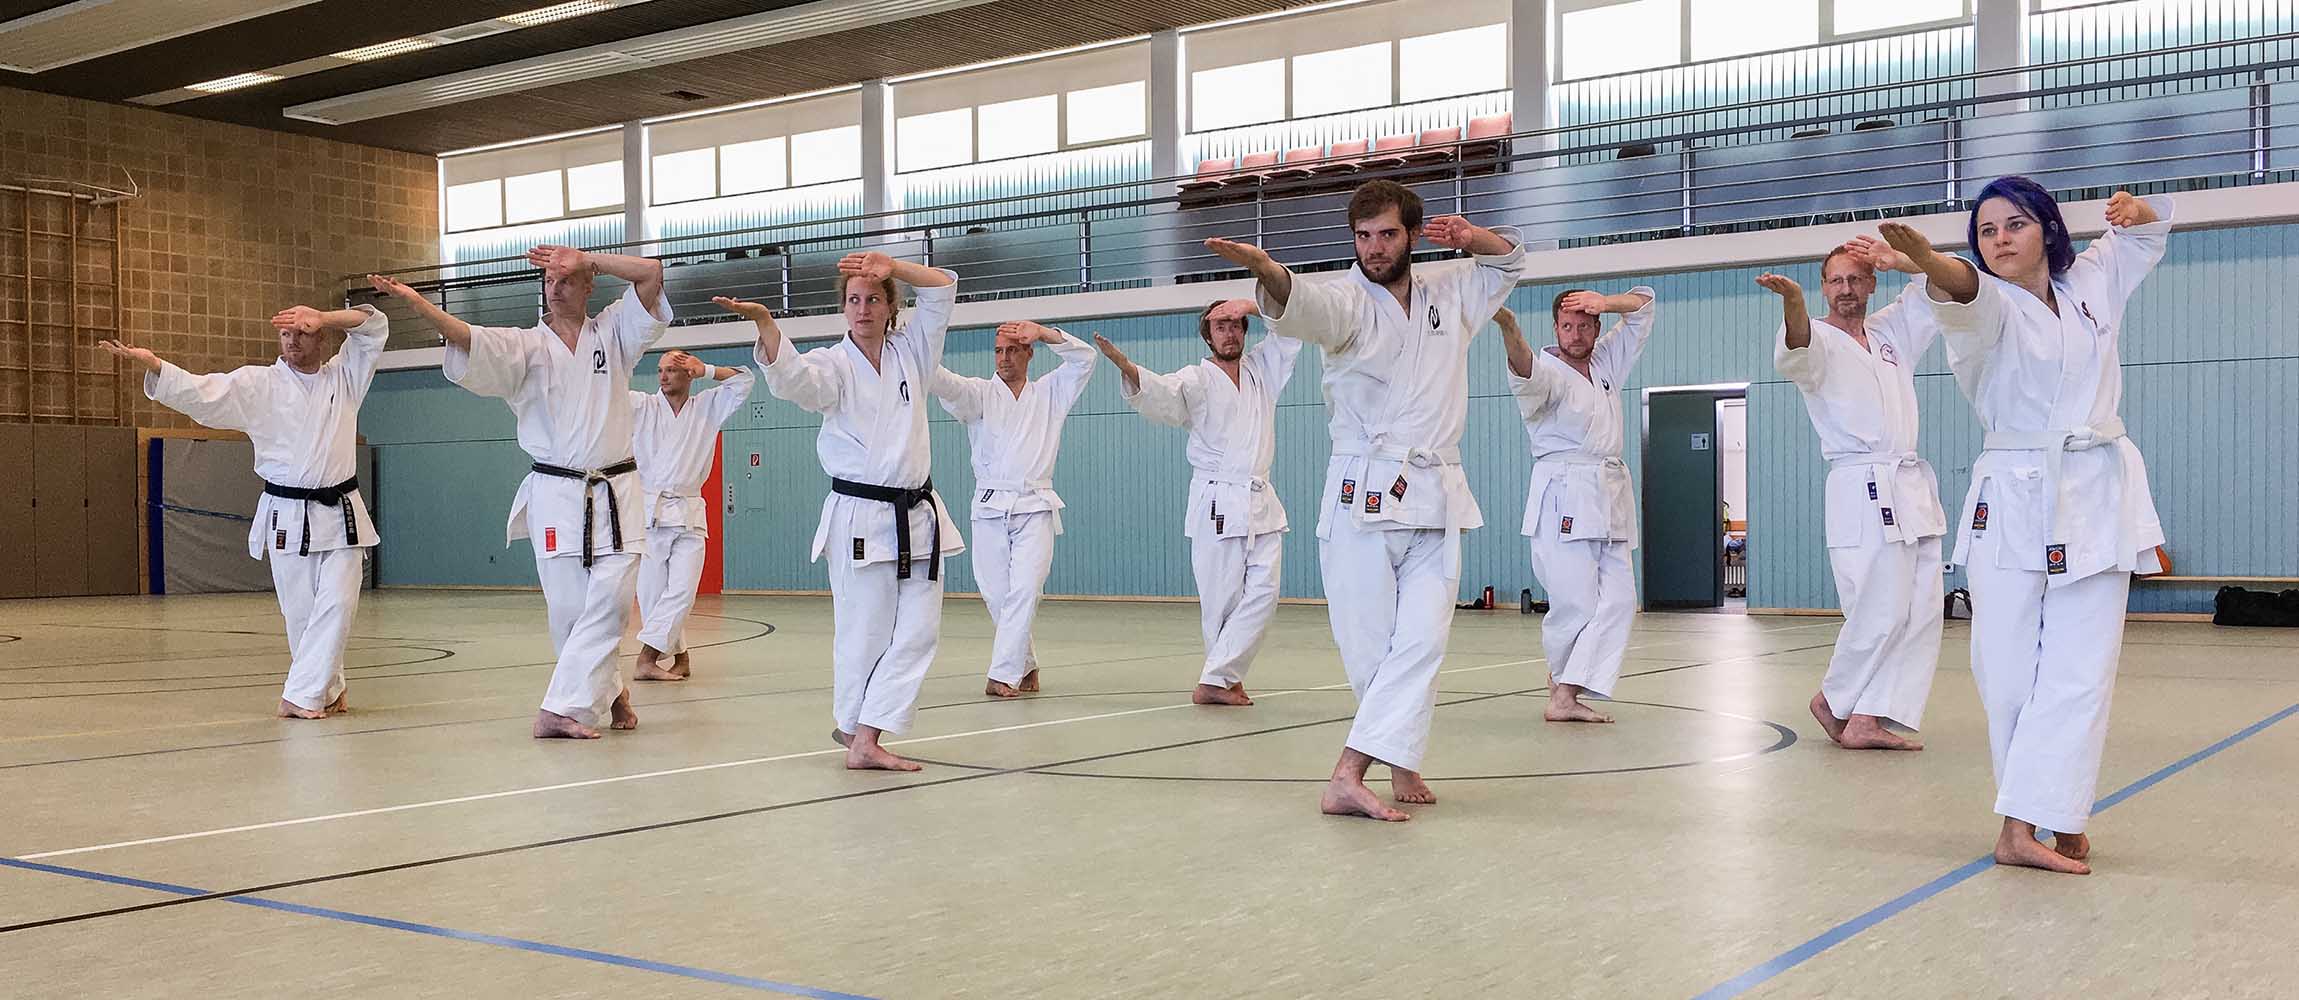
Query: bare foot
[654, 672]
[623, 717]
[864, 754]
[553, 726]
[1345, 796]
[1866, 732]
[1565, 706]
[1000, 689]
[1029, 683]
[2017, 845]
[679, 667]
[341, 705]
[1208, 694]
[2073, 846]
[1826, 716]
[842, 737]
[291, 710]
[1407, 786]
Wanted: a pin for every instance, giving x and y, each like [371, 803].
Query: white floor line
[692, 769]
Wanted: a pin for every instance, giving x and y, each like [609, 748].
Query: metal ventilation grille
[90, 29]
[732, 35]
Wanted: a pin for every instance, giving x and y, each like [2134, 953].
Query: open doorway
[1689, 491]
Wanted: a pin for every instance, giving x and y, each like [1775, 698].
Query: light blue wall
[2212, 394]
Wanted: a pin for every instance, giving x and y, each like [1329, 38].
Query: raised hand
[126, 352]
[870, 265]
[1450, 231]
[303, 318]
[1910, 243]
[1507, 321]
[2125, 211]
[558, 261]
[1244, 255]
[751, 311]
[1591, 303]
[1879, 255]
[1110, 351]
[1025, 332]
[394, 287]
[1781, 285]
[1234, 309]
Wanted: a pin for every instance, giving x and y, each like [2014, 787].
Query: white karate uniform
[1014, 440]
[1396, 501]
[674, 450]
[1232, 444]
[1580, 510]
[887, 622]
[1882, 507]
[2058, 518]
[305, 429]
[574, 411]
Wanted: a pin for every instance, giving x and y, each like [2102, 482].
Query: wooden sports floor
[161, 835]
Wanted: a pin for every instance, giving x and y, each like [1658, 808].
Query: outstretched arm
[1276, 281]
[1792, 310]
[1513, 341]
[1950, 279]
[812, 383]
[454, 331]
[217, 400]
[1129, 374]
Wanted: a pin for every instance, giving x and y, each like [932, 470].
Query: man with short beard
[567, 380]
[1396, 345]
[1857, 372]
[1579, 512]
[675, 442]
[883, 527]
[1235, 525]
[1014, 430]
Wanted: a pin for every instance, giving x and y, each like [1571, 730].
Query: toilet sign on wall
[1699, 443]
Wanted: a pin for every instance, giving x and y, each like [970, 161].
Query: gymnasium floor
[164, 837]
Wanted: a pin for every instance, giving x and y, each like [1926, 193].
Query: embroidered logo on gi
[598, 362]
[1887, 517]
[904, 386]
[550, 539]
[1606, 383]
[986, 495]
[279, 539]
[1217, 521]
[1348, 492]
[2085, 308]
[1980, 517]
[1565, 525]
[1434, 323]
[1888, 355]
[858, 556]
[1871, 489]
[1372, 502]
[2055, 559]
[1397, 489]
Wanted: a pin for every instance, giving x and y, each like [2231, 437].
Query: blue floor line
[519, 944]
[1842, 932]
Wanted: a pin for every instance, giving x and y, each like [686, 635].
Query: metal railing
[1678, 176]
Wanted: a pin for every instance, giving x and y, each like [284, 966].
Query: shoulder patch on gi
[1980, 516]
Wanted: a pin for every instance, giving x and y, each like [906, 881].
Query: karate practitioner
[1235, 525]
[567, 379]
[2059, 516]
[883, 527]
[301, 413]
[1396, 345]
[1014, 429]
[674, 438]
[1858, 375]
[1580, 512]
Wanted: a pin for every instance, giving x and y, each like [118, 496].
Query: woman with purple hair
[2059, 516]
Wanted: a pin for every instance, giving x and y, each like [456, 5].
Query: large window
[1603, 37]
[1025, 127]
[689, 175]
[1857, 16]
[940, 139]
[1101, 114]
[765, 147]
[1725, 28]
[533, 182]
[1621, 37]
[831, 154]
[1341, 80]
[1453, 63]
[476, 205]
[595, 185]
[757, 165]
[1229, 96]
[533, 197]
[1032, 106]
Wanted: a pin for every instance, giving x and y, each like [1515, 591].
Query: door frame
[1715, 391]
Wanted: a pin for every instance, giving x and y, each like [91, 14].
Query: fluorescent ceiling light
[236, 82]
[385, 50]
[556, 12]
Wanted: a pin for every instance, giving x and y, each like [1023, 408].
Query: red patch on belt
[550, 539]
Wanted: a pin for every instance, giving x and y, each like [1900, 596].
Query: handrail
[1513, 138]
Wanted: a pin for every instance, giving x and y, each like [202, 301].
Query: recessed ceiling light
[235, 82]
[556, 12]
[385, 50]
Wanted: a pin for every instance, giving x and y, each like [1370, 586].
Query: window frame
[1828, 35]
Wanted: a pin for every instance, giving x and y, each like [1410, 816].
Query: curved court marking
[442, 654]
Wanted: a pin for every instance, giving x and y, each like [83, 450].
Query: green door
[1683, 544]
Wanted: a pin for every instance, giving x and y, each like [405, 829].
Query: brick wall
[233, 224]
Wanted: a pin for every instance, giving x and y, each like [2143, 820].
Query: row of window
[1421, 68]
[1603, 37]
[1025, 127]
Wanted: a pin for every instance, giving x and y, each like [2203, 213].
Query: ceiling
[165, 45]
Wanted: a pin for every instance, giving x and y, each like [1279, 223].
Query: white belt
[1014, 485]
[1419, 458]
[1881, 490]
[655, 502]
[2055, 445]
[1580, 461]
[1254, 484]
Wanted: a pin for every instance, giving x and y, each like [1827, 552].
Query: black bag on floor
[1958, 597]
[2237, 606]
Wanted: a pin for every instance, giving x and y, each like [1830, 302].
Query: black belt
[902, 500]
[592, 478]
[329, 495]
